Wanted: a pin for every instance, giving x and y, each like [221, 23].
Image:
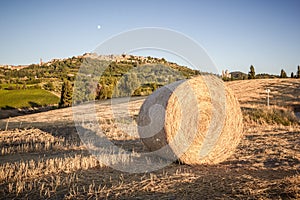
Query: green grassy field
[26, 98]
[4, 86]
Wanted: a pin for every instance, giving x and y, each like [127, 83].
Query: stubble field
[43, 157]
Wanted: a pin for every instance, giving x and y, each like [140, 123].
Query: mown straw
[197, 121]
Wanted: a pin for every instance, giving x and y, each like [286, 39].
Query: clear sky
[235, 33]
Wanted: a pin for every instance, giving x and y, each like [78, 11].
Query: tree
[24, 86]
[49, 86]
[66, 94]
[298, 72]
[251, 74]
[283, 74]
[292, 75]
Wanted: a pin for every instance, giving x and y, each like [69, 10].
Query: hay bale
[197, 121]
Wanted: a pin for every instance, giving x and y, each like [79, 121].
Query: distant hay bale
[197, 121]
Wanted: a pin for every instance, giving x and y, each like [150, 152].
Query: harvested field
[43, 157]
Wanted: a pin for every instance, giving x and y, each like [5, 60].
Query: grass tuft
[271, 116]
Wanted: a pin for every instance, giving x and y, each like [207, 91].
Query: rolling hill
[117, 76]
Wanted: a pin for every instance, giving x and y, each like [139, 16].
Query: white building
[226, 74]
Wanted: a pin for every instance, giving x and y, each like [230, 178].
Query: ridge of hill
[238, 75]
[73, 63]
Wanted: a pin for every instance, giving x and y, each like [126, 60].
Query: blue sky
[235, 33]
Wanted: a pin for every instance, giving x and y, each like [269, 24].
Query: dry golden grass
[265, 165]
[32, 140]
[284, 93]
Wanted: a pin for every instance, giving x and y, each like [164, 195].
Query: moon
[98, 27]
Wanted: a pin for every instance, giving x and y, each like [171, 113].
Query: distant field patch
[26, 98]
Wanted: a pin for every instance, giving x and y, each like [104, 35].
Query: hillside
[117, 76]
[26, 98]
[68, 67]
[252, 93]
[237, 75]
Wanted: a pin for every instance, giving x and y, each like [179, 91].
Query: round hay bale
[197, 121]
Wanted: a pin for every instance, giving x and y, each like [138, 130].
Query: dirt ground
[42, 157]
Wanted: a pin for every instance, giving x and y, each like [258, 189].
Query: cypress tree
[66, 94]
[251, 74]
[283, 74]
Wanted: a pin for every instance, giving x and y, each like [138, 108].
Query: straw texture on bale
[197, 121]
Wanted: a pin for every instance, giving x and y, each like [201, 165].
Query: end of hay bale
[197, 121]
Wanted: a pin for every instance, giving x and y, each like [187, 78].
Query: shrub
[270, 116]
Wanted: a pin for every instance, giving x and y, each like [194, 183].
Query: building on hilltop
[226, 74]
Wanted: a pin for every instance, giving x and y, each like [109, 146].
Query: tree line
[251, 73]
[129, 80]
[98, 79]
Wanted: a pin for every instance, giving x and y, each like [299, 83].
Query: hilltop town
[124, 58]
